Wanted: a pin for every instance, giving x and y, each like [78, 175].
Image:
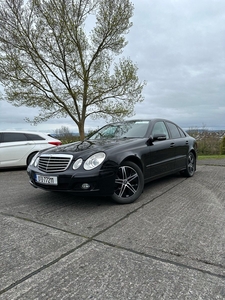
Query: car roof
[23, 131]
[143, 120]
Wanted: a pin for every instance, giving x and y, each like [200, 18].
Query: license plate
[49, 180]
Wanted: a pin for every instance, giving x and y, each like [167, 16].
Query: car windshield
[129, 129]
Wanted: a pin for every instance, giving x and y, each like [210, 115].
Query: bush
[209, 146]
[222, 146]
[65, 136]
[209, 142]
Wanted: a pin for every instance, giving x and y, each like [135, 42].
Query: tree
[49, 59]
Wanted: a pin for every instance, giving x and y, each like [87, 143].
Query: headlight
[94, 161]
[77, 163]
[35, 160]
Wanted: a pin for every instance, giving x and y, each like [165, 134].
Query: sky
[179, 48]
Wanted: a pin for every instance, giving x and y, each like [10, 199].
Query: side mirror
[156, 137]
[159, 137]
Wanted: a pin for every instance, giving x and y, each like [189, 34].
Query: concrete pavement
[170, 244]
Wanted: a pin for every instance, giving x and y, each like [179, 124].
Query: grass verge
[211, 157]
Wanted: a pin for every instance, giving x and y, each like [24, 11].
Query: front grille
[54, 163]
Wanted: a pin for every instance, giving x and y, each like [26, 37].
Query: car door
[181, 145]
[160, 159]
[14, 148]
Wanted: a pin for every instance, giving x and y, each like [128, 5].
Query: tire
[129, 183]
[190, 165]
[29, 159]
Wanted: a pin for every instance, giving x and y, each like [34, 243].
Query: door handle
[171, 145]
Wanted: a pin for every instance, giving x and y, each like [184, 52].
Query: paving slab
[26, 247]
[84, 216]
[98, 271]
[167, 245]
[188, 223]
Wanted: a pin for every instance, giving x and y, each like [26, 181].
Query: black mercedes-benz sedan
[117, 160]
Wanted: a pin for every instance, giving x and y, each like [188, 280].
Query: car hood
[91, 146]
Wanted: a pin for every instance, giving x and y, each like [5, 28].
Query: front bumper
[101, 181]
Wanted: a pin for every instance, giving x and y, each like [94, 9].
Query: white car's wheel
[29, 159]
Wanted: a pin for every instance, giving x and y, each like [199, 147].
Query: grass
[211, 157]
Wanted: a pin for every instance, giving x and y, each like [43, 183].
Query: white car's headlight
[77, 163]
[94, 161]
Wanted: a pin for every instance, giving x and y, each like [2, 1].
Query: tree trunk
[81, 130]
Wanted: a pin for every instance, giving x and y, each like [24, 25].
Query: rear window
[34, 137]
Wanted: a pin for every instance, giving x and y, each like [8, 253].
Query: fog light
[85, 186]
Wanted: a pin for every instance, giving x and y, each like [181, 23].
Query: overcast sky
[179, 48]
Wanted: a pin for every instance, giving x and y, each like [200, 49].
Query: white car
[17, 148]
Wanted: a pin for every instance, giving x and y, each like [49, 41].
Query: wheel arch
[30, 156]
[135, 160]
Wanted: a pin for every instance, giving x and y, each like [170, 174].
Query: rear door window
[13, 137]
[181, 132]
[175, 133]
